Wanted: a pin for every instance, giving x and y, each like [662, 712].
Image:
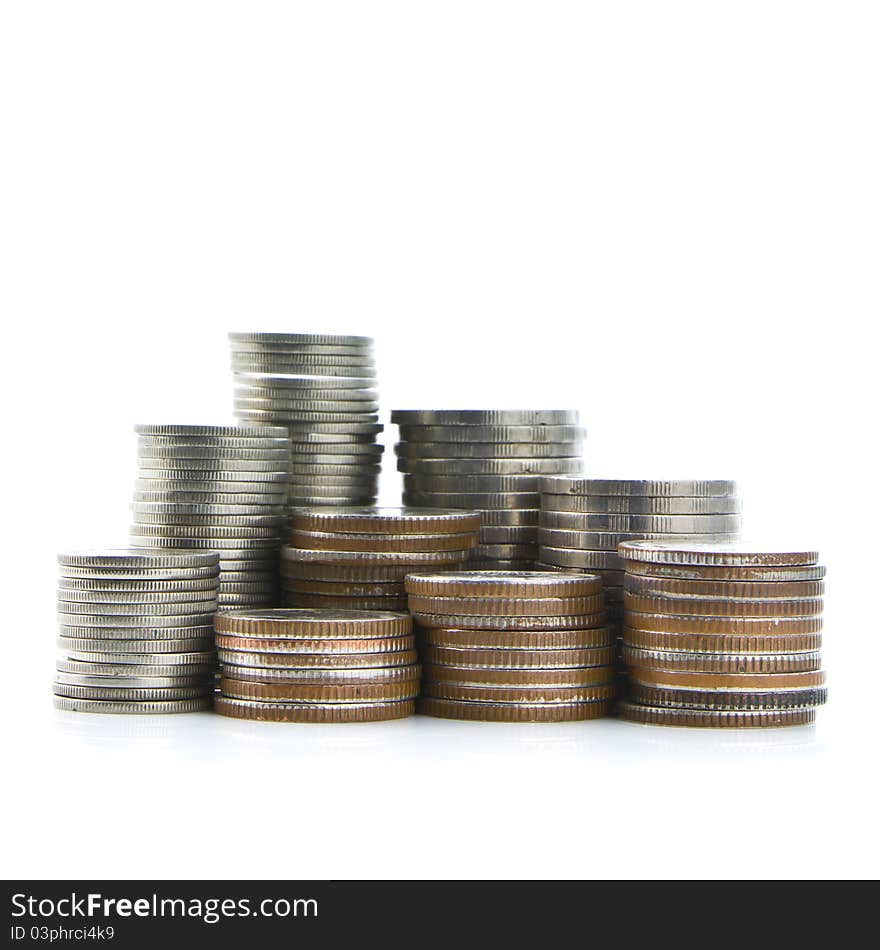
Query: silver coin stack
[216, 488]
[583, 520]
[488, 461]
[135, 631]
[322, 389]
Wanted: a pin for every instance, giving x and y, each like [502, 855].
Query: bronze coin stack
[316, 665]
[721, 635]
[513, 646]
[322, 389]
[489, 461]
[357, 558]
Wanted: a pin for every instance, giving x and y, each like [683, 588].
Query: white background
[664, 214]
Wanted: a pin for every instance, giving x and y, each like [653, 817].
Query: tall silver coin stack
[583, 520]
[135, 631]
[216, 488]
[322, 389]
[488, 461]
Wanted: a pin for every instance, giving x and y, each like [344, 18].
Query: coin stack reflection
[722, 635]
[489, 461]
[218, 488]
[135, 631]
[513, 647]
[582, 521]
[316, 665]
[322, 389]
[357, 558]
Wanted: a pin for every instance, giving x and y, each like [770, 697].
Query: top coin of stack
[357, 558]
[322, 389]
[215, 488]
[583, 520]
[489, 461]
[722, 635]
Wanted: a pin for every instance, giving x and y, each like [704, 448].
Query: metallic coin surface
[611, 540]
[492, 484]
[132, 694]
[151, 647]
[131, 558]
[484, 417]
[308, 383]
[133, 586]
[293, 692]
[511, 516]
[376, 543]
[518, 659]
[738, 626]
[736, 554]
[515, 639]
[643, 504]
[144, 708]
[431, 618]
[487, 450]
[341, 588]
[442, 689]
[315, 661]
[474, 501]
[522, 584]
[508, 534]
[715, 718]
[86, 670]
[512, 712]
[200, 600]
[327, 645]
[344, 602]
[722, 590]
[725, 699]
[416, 559]
[198, 659]
[721, 662]
[318, 712]
[743, 682]
[301, 339]
[396, 521]
[722, 643]
[212, 432]
[512, 679]
[666, 524]
[312, 624]
[746, 607]
[497, 434]
[542, 607]
[318, 676]
[704, 572]
[638, 487]
[578, 558]
[489, 466]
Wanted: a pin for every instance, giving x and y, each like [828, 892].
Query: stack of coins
[488, 461]
[357, 558]
[513, 647]
[583, 520]
[722, 635]
[136, 631]
[316, 665]
[218, 488]
[322, 389]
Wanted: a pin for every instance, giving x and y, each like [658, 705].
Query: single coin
[487, 450]
[200, 514]
[609, 540]
[330, 602]
[74, 645]
[219, 443]
[315, 661]
[210, 468]
[517, 678]
[512, 712]
[375, 543]
[233, 493]
[350, 572]
[319, 693]
[577, 558]
[749, 682]
[671, 524]
[317, 349]
[255, 600]
[312, 624]
[304, 417]
[508, 534]
[193, 659]
[137, 586]
[310, 383]
[515, 517]
[725, 699]
[132, 671]
[518, 659]
[395, 521]
[472, 500]
[442, 689]
[506, 607]
[143, 601]
[243, 353]
[721, 663]
[141, 708]
[307, 441]
[304, 367]
[581, 621]
[489, 466]
[516, 639]
[415, 559]
[642, 505]
[613, 486]
[737, 554]
[723, 643]
[225, 479]
[318, 712]
[208, 503]
[131, 558]
[750, 626]
[715, 718]
[497, 434]
[327, 481]
[229, 549]
[134, 681]
[722, 590]
[100, 615]
[212, 432]
[750, 607]
[492, 484]
[484, 417]
[295, 401]
[339, 676]
[301, 339]
[521, 584]
[723, 573]
[132, 694]
[248, 587]
[341, 588]
[327, 431]
[135, 576]
[361, 463]
[213, 532]
[318, 646]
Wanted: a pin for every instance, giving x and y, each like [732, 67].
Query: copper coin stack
[136, 631]
[513, 647]
[489, 461]
[291, 665]
[322, 389]
[215, 488]
[721, 635]
[357, 558]
[582, 521]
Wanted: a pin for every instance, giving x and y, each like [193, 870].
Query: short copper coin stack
[721, 635]
[136, 631]
[489, 461]
[292, 665]
[357, 558]
[513, 647]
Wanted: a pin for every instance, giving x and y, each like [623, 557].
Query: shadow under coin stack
[357, 558]
[218, 488]
[722, 635]
[316, 665]
[322, 389]
[513, 647]
[489, 461]
[136, 631]
[583, 520]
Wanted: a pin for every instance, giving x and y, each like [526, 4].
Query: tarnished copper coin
[512, 712]
[395, 521]
[476, 622]
[722, 590]
[315, 661]
[725, 699]
[322, 645]
[744, 607]
[287, 692]
[316, 712]
[441, 689]
[381, 543]
[506, 584]
[715, 718]
[721, 662]
[519, 659]
[542, 607]
[328, 602]
[723, 643]
[739, 626]
[469, 676]
[516, 639]
[297, 623]
[746, 682]
[723, 572]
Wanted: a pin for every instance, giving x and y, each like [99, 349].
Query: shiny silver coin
[484, 417]
[313, 400]
[518, 517]
[488, 450]
[471, 483]
[228, 548]
[245, 587]
[144, 708]
[302, 441]
[163, 648]
[265, 432]
[236, 601]
[196, 502]
[609, 540]
[136, 558]
[303, 384]
[333, 484]
[303, 349]
[510, 552]
[210, 531]
[131, 693]
[660, 488]
[324, 431]
[221, 443]
[642, 505]
[508, 534]
[344, 470]
[203, 453]
[367, 463]
[147, 632]
[575, 557]
[142, 598]
[147, 516]
[496, 434]
[210, 468]
[476, 501]
[341, 445]
[151, 617]
[480, 466]
[109, 657]
[175, 672]
[301, 339]
[132, 681]
[179, 483]
[291, 416]
[290, 555]
[256, 355]
[139, 585]
[662, 524]
[134, 575]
